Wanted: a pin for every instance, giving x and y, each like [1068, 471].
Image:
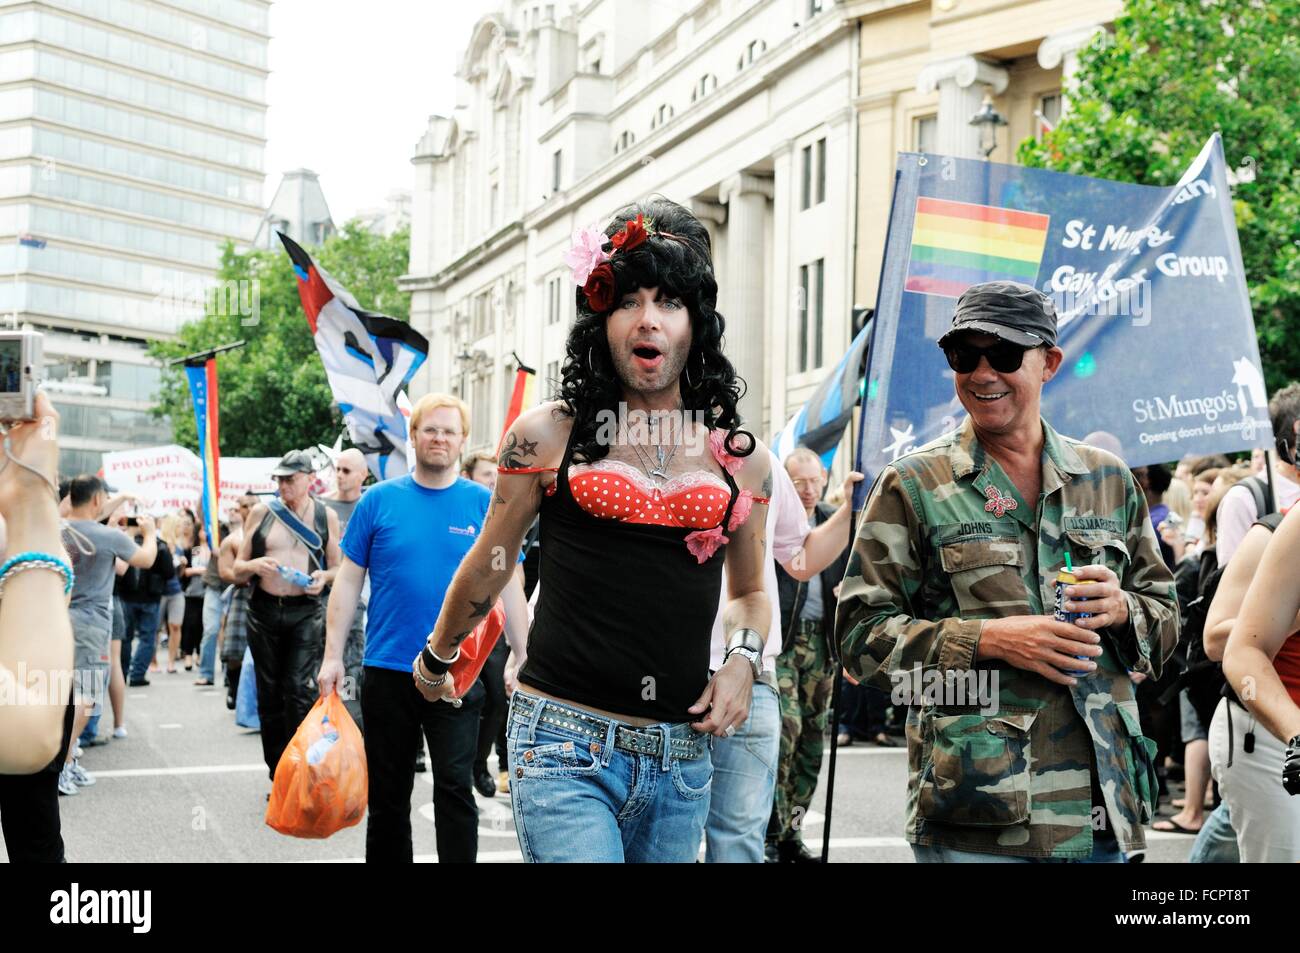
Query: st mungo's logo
[93, 907]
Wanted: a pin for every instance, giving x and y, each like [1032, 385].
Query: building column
[1062, 49]
[782, 305]
[746, 197]
[962, 83]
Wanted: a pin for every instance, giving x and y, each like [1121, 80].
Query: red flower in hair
[599, 288]
[633, 234]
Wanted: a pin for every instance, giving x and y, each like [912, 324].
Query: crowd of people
[679, 602]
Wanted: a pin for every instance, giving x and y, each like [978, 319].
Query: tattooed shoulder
[517, 451]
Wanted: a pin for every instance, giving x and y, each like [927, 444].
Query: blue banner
[203, 384]
[1161, 358]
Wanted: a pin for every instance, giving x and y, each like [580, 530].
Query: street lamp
[987, 121]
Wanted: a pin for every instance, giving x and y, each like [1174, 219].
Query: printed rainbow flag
[203, 391]
[958, 244]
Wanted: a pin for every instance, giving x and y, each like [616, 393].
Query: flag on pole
[819, 424]
[520, 397]
[203, 392]
[368, 359]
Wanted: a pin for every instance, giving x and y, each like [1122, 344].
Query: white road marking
[193, 769]
[171, 724]
[856, 752]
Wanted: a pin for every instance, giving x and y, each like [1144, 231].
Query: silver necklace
[663, 457]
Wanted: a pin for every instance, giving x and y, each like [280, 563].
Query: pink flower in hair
[587, 252]
[703, 543]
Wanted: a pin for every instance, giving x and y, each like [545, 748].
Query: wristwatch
[755, 659]
[1291, 767]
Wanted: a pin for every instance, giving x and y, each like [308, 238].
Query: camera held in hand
[20, 367]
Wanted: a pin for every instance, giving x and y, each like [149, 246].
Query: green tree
[273, 394]
[1150, 94]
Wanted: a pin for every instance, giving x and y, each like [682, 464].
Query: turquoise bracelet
[38, 560]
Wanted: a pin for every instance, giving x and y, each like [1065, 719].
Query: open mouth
[990, 398]
[647, 356]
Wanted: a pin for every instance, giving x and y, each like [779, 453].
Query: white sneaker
[66, 785]
[119, 731]
[79, 775]
[77, 752]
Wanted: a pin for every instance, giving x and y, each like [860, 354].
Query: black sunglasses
[1004, 357]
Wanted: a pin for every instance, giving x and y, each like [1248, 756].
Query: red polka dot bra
[698, 501]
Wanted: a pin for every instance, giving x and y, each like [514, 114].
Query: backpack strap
[1262, 493]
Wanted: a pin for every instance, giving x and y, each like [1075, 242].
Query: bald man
[349, 474]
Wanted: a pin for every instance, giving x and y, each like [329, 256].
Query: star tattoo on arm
[480, 608]
[515, 450]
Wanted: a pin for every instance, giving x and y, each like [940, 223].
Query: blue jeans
[141, 620]
[744, 781]
[578, 798]
[211, 628]
[1217, 841]
[1104, 851]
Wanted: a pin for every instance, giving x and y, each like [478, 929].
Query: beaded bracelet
[33, 560]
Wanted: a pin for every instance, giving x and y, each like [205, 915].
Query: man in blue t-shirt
[410, 535]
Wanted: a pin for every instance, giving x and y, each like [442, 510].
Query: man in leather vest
[286, 621]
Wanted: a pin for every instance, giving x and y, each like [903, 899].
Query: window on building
[661, 116]
[925, 130]
[556, 165]
[801, 350]
[818, 311]
[495, 207]
[554, 300]
[753, 51]
[481, 322]
[814, 8]
[1048, 114]
[811, 317]
[705, 85]
[480, 410]
[819, 171]
[625, 139]
[551, 384]
[805, 187]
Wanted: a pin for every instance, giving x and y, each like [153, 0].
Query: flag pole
[202, 356]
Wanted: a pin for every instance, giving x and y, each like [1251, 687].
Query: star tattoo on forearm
[480, 608]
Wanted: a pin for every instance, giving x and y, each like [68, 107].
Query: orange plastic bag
[476, 648]
[321, 785]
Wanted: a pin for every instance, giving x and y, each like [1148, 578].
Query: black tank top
[625, 616]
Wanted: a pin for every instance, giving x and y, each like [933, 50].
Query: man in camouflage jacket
[953, 574]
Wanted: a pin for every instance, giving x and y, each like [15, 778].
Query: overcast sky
[352, 85]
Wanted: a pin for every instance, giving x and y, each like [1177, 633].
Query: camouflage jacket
[944, 542]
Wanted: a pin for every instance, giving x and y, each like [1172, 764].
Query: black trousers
[287, 637]
[492, 725]
[29, 809]
[395, 715]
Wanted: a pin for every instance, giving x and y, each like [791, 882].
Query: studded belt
[646, 741]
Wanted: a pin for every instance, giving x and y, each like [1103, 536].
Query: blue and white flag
[368, 359]
[1161, 358]
[819, 424]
